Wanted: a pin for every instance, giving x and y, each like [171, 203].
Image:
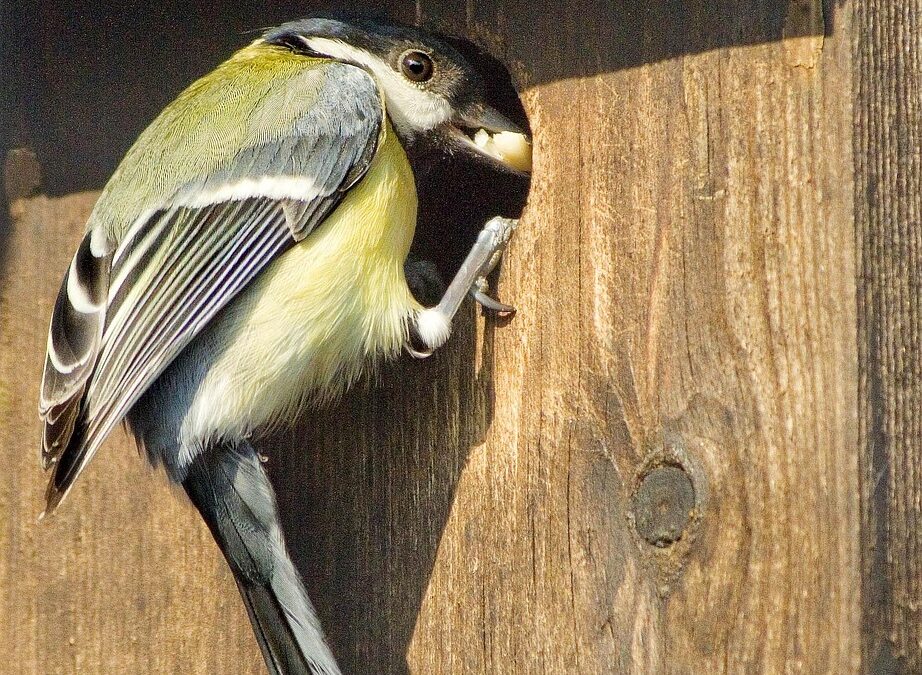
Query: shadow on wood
[89, 78]
[364, 512]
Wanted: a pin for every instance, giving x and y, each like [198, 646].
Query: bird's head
[431, 91]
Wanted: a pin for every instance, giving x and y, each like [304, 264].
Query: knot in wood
[663, 504]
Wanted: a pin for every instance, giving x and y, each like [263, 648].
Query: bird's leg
[471, 278]
[433, 325]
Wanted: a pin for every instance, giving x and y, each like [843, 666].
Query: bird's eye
[416, 66]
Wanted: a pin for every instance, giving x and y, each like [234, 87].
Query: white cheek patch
[411, 109]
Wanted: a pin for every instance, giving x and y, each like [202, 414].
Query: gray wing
[122, 316]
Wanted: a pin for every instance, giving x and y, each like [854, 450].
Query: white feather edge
[300, 188]
[77, 294]
[58, 365]
[281, 188]
[80, 300]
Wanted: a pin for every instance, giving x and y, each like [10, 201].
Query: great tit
[246, 261]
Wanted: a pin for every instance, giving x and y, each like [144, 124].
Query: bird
[247, 261]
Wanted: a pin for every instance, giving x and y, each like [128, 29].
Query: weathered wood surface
[888, 214]
[695, 311]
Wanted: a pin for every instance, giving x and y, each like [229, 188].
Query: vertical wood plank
[685, 275]
[888, 211]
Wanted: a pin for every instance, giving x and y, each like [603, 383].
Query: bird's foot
[479, 293]
[433, 326]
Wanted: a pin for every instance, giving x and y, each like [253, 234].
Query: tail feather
[232, 492]
[277, 641]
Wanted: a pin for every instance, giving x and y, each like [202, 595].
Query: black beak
[491, 119]
[488, 135]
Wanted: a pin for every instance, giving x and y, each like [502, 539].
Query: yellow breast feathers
[306, 328]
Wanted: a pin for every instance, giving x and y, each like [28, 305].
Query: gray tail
[231, 490]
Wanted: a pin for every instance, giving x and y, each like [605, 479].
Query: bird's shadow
[366, 486]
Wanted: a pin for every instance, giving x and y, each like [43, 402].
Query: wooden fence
[697, 448]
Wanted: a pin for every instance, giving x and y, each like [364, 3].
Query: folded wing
[124, 314]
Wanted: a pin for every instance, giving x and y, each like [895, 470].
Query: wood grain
[888, 213]
[711, 280]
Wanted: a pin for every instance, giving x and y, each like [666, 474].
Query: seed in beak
[508, 147]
